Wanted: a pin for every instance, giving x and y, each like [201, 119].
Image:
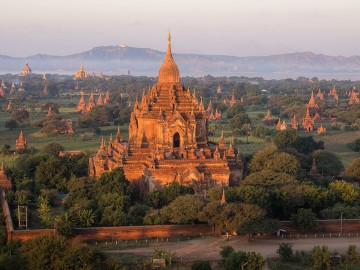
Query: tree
[242, 260]
[168, 193]
[304, 219]
[184, 209]
[239, 120]
[11, 124]
[355, 145]
[285, 251]
[269, 179]
[55, 252]
[234, 110]
[20, 116]
[53, 173]
[45, 212]
[65, 225]
[231, 216]
[306, 145]
[328, 163]
[84, 217]
[353, 172]
[53, 149]
[276, 161]
[342, 191]
[285, 138]
[321, 258]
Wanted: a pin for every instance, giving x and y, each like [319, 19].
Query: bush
[304, 219]
[203, 265]
[285, 251]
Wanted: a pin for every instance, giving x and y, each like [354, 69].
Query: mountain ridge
[116, 60]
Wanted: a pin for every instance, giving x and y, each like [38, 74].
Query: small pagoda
[26, 70]
[321, 130]
[81, 73]
[268, 120]
[21, 143]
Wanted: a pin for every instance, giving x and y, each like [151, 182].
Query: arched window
[176, 140]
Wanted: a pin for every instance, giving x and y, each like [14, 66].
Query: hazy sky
[229, 27]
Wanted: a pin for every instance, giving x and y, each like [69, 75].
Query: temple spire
[223, 199]
[118, 134]
[168, 52]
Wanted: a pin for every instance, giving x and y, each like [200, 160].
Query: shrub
[203, 265]
[285, 251]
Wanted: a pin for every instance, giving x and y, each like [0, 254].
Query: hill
[116, 60]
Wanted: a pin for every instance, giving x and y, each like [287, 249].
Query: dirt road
[209, 247]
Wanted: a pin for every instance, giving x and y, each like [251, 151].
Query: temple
[312, 103]
[308, 122]
[21, 142]
[26, 70]
[168, 140]
[268, 120]
[81, 73]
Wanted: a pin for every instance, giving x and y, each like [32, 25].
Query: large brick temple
[168, 140]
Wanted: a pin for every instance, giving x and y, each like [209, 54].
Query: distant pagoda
[21, 143]
[26, 70]
[81, 73]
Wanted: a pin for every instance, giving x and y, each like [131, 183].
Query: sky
[223, 27]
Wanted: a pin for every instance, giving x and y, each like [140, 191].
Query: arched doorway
[176, 140]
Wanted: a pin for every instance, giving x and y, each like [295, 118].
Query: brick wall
[122, 233]
[142, 232]
[328, 226]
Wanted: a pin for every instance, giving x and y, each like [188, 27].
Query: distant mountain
[116, 60]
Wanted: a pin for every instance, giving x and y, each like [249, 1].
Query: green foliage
[203, 265]
[355, 145]
[65, 225]
[239, 121]
[11, 124]
[304, 219]
[45, 212]
[285, 251]
[98, 116]
[285, 138]
[306, 145]
[225, 252]
[55, 252]
[269, 179]
[341, 191]
[184, 209]
[234, 110]
[137, 213]
[20, 116]
[168, 255]
[260, 225]
[84, 217]
[271, 159]
[328, 163]
[353, 172]
[53, 149]
[168, 193]
[338, 209]
[321, 258]
[55, 172]
[231, 216]
[242, 260]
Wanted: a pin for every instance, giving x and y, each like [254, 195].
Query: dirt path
[209, 247]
